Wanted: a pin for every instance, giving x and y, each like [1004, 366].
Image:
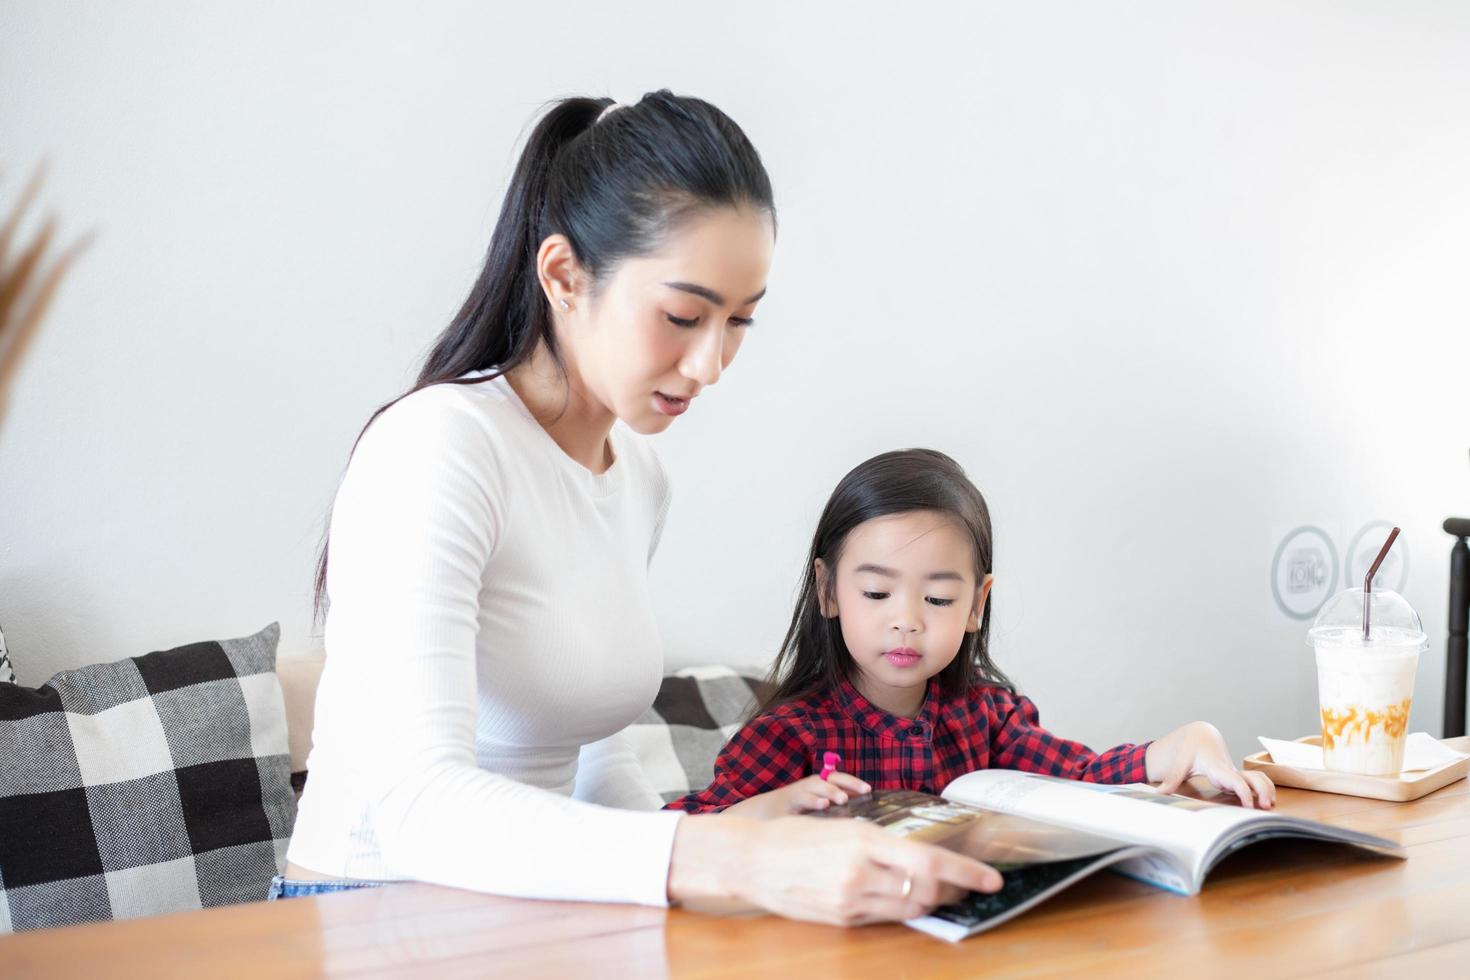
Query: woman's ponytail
[506, 295]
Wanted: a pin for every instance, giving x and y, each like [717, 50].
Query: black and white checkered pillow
[696, 712]
[149, 785]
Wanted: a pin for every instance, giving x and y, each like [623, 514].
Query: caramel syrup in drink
[1365, 690]
[1343, 726]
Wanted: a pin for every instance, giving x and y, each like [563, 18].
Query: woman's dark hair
[616, 186]
[813, 657]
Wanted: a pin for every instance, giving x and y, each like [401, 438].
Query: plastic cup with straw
[1368, 645]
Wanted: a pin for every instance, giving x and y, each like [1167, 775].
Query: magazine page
[1186, 828]
[1023, 886]
[986, 835]
[1035, 859]
[1188, 836]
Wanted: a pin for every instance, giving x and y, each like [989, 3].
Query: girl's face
[905, 593]
[664, 326]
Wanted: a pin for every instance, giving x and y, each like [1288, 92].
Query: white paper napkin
[1421, 751]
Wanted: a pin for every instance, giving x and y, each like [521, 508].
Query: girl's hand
[1197, 749]
[843, 872]
[802, 796]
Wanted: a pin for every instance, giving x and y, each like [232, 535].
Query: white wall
[1168, 279]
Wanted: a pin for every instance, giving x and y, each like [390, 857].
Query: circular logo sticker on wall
[1304, 572]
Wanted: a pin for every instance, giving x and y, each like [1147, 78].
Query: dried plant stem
[27, 284]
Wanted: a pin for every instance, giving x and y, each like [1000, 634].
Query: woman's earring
[565, 305]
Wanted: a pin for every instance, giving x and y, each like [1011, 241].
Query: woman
[489, 612]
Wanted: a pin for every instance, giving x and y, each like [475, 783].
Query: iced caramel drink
[1365, 687]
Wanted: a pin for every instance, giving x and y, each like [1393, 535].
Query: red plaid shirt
[989, 729]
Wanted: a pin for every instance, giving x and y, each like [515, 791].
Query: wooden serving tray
[1396, 790]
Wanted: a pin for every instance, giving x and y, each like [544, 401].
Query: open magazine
[1043, 833]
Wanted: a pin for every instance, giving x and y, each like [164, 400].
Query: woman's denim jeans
[283, 887]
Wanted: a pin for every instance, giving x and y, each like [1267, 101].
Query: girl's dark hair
[615, 186]
[813, 657]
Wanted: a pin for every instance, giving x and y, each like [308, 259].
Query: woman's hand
[802, 796]
[1197, 749]
[843, 872]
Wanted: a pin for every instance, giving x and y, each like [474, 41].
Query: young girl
[886, 663]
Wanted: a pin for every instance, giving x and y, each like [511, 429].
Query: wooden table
[1278, 909]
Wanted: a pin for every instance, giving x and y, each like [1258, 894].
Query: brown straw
[1368, 579]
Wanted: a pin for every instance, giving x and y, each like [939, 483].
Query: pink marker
[830, 762]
